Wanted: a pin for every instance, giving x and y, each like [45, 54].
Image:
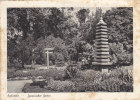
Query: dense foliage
[69, 31]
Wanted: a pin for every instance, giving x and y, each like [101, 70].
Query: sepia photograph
[69, 49]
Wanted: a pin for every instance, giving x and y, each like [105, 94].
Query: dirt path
[16, 86]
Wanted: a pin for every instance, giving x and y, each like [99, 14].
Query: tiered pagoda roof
[101, 44]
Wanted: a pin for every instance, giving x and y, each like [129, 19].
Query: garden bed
[117, 80]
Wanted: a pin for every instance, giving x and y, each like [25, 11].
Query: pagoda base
[103, 67]
[101, 63]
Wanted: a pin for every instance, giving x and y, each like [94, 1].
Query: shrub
[111, 85]
[87, 74]
[71, 71]
[120, 79]
[121, 55]
[85, 66]
[59, 64]
[59, 57]
[123, 74]
[10, 71]
[117, 80]
[84, 85]
[87, 80]
[60, 86]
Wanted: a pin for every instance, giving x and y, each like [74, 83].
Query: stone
[39, 81]
[25, 78]
[105, 70]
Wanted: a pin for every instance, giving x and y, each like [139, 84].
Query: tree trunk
[22, 64]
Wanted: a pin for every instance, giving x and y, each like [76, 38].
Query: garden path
[16, 86]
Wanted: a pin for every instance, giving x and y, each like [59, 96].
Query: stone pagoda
[101, 45]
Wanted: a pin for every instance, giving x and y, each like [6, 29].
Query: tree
[33, 29]
[120, 24]
[51, 42]
[20, 36]
[82, 15]
[120, 29]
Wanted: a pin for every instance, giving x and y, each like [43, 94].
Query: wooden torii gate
[48, 51]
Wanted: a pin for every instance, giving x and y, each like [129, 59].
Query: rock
[25, 78]
[25, 71]
[39, 81]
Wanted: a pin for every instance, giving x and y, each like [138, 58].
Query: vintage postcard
[70, 50]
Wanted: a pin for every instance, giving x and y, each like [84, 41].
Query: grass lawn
[52, 72]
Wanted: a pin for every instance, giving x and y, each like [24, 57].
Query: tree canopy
[69, 31]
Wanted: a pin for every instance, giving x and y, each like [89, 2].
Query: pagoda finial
[101, 13]
[101, 17]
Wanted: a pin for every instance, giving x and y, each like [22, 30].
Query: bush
[59, 64]
[71, 71]
[10, 71]
[59, 57]
[87, 80]
[87, 74]
[60, 86]
[123, 74]
[111, 85]
[118, 80]
[85, 66]
[120, 55]
[84, 85]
